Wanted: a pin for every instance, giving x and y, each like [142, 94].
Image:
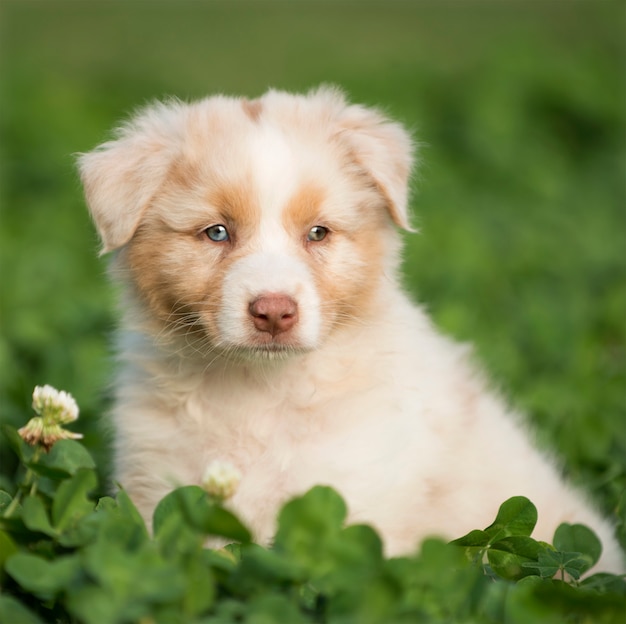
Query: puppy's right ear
[120, 178]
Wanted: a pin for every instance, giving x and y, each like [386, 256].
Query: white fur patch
[275, 172]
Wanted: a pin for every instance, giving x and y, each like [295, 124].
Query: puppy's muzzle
[273, 313]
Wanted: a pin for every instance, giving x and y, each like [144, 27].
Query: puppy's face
[254, 228]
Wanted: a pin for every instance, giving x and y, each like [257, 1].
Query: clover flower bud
[32, 432]
[221, 480]
[54, 408]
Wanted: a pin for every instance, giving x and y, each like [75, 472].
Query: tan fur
[252, 108]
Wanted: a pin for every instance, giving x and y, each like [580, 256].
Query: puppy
[257, 246]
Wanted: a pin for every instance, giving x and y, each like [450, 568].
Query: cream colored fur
[362, 393]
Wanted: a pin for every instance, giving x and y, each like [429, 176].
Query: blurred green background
[520, 197]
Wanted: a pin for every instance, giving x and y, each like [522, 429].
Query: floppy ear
[385, 150]
[120, 178]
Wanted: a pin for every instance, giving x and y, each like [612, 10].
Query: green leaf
[131, 573]
[351, 558]
[223, 561]
[106, 503]
[90, 525]
[359, 543]
[373, 601]
[508, 556]
[260, 568]
[551, 562]
[320, 511]
[273, 608]
[35, 517]
[439, 582]
[311, 538]
[127, 508]
[22, 450]
[7, 548]
[72, 499]
[65, 459]
[5, 500]
[474, 539]
[547, 565]
[14, 612]
[173, 532]
[578, 538]
[172, 505]
[91, 604]
[574, 564]
[46, 579]
[215, 520]
[516, 516]
[117, 527]
[210, 517]
[199, 586]
[604, 583]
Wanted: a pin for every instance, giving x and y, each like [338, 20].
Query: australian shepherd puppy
[257, 245]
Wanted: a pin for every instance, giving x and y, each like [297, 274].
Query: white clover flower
[54, 406]
[221, 479]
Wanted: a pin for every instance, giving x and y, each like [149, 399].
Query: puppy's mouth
[269, 351]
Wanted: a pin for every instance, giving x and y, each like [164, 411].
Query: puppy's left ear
[120, 178]
[385, 150]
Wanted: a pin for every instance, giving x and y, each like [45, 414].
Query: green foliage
[67, 558]
[518, 107]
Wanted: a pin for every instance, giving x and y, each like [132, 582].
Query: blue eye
[317, 233]
[217, 233]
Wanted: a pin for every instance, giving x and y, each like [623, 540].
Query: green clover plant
[68, 558]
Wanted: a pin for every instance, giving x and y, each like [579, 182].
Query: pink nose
[274, 314]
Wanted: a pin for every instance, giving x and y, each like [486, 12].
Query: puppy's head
[253, 227]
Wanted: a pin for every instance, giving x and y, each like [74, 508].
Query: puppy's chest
[248, 422]
[284, 427]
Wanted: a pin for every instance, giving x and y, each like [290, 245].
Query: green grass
[520, 197]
